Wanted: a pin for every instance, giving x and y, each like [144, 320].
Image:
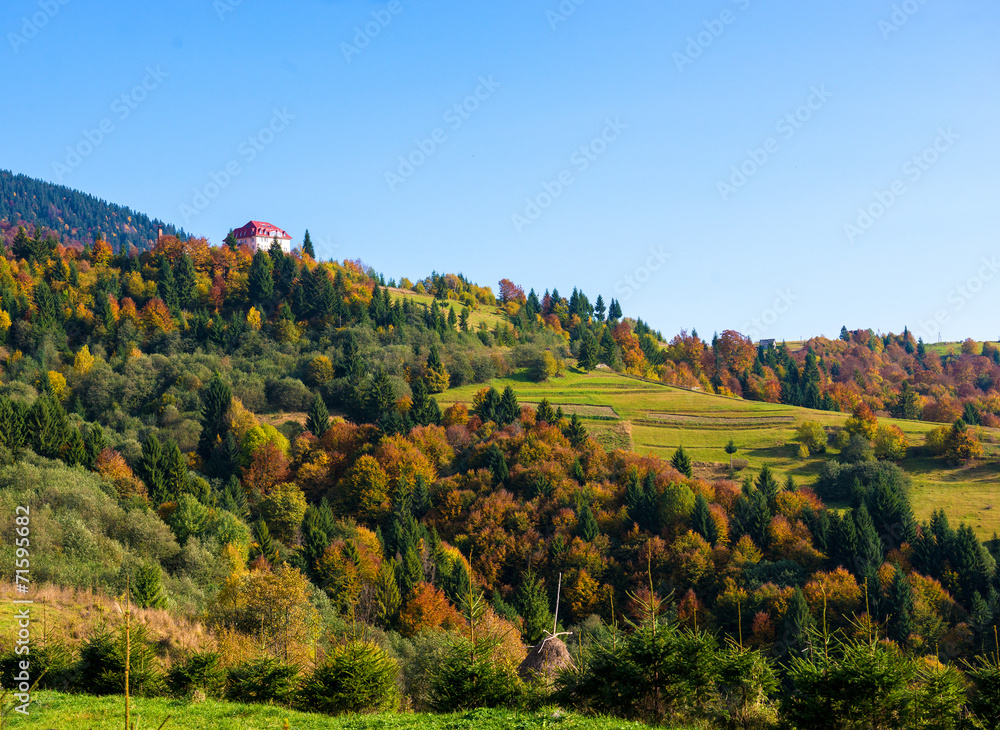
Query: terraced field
[662, 418]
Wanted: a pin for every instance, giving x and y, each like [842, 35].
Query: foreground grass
[83, 712]
[662, 418]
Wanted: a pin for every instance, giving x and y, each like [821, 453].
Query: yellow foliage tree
[83, 361]
[320, 370]
[253, 319]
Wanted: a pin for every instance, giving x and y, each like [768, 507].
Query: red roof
[259, 228]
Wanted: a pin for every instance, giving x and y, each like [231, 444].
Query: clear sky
[777, 168]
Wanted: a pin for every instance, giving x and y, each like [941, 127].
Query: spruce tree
[544, 412]
[731, 449]
[900, 608]
[166, 286]
[146, 587]
[76, 451]
[509, 410]
[701, 519]
[797, 624]
[682, 462]
[533, 605]
[151, 469]
[380, 398]
[185, 281]
[575, 432]
[590, 351]
[318, 418]
[260, 281]
[599, 308]
[175, 471]
[587, 525]
[768, 484]
[215, 402]
[307, 246]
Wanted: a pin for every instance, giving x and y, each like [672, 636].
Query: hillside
[75, 217]
[166, 433]
[659, 418]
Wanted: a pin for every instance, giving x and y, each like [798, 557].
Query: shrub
[467, 677]
[101, 669]
[288, 394]
[53, 658]
[200, 671]
[858, 449]
[811, 435]
[263, 681]
[356, 677]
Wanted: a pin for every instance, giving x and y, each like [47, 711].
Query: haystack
[546, 659]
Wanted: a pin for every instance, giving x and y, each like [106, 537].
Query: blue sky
[776, 168]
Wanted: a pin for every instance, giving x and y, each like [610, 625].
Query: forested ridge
[75, 217]
[146, 415]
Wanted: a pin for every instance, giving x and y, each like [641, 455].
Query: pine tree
[185, 281]
[797, 624]
[682, 462]
[265, 545]
[175, 471]
[587, 523]
[215, 402]
[167, 286]
[701, 519]
[509, 410]
[318, 418]
[380, 398]
[608, 347]
[599, 308]
[76, 451]
[900, 608]
[544, 412]
[614, 310]
[307, 246]
[146, 587]
[260, 281]
[575, 432]
[590, 351]
[533, 605]
[768, 484]
[151, 469]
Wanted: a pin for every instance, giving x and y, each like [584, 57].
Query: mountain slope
[76, 217]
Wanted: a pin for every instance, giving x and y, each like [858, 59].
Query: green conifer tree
[682, 462]
[318, 418]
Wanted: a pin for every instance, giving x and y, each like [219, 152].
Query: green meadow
[662, 417]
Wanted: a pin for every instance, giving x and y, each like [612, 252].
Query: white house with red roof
[260, 235]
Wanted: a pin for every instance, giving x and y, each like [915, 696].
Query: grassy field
[662, 418]
[490, 316]
[56, 710]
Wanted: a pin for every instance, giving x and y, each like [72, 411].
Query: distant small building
[766, 344]
[259, 235]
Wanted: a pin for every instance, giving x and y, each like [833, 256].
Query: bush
[936, 440]
[858, 449]
[53, 658]
[101, 669]
[262, 681]
[288, 394]
[811, 435]
[467, 678]
[356, 677]
[200, 671]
